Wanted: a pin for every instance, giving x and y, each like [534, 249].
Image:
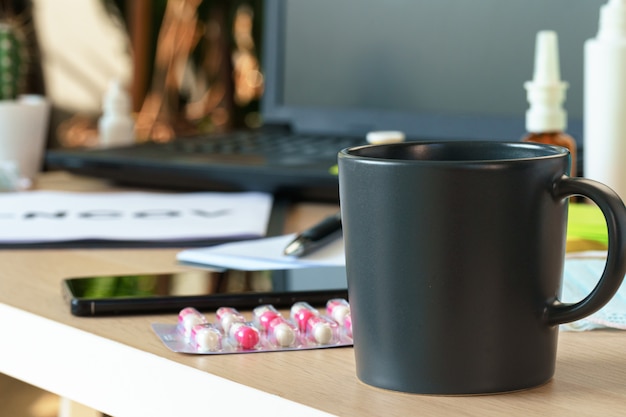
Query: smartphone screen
[202, 289]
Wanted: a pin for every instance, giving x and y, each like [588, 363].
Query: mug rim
[549, 151]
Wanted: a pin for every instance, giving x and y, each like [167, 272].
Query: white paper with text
[47, 216]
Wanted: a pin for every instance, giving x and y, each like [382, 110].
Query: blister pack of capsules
[266, 331]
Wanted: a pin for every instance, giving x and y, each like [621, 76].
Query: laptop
[335, 70]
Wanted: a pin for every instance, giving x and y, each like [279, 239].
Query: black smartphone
[203, 289]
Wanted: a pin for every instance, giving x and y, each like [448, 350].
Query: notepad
[263, 254]
[173, 218]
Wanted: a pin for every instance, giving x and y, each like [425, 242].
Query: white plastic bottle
[605, 100]
[116, 127]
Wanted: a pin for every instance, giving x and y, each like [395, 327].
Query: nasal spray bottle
[605, 100]
[116, 127]
[546, 118]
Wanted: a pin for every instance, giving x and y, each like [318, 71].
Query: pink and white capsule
[347, 324]
[207, 337]
[244, 335]
[189, 317]
[227, 316]
[322, 330]
[301, 312]
[282, 332]
[263, 315]
[338, 309]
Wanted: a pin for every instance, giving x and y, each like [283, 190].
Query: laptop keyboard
[300, 166]
[277, 147]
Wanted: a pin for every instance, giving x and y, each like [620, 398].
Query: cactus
[13, 57]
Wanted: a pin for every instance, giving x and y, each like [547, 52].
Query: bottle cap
[546, 92]
[116, 98]
[384, 136]
[613, 20]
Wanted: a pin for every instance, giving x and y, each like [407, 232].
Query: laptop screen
[436, 69]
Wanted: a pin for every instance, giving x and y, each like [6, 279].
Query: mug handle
[615, 214]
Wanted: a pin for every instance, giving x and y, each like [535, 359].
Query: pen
[317, 236]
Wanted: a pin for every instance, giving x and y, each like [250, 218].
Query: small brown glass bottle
[559, 139]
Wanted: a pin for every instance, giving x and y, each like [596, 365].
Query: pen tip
[295, 248]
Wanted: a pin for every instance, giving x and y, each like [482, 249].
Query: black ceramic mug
[454, 256]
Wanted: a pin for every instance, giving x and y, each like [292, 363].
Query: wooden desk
[118, 366]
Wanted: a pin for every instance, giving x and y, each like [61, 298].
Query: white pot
[23, 132]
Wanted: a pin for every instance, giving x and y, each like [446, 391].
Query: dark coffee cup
[454, 256]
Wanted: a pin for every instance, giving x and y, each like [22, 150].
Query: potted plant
[24, 116]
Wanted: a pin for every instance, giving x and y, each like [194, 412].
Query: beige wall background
[82, 48]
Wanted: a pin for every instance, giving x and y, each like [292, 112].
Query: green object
[586, 221]
[112, 286]
[12, 61]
